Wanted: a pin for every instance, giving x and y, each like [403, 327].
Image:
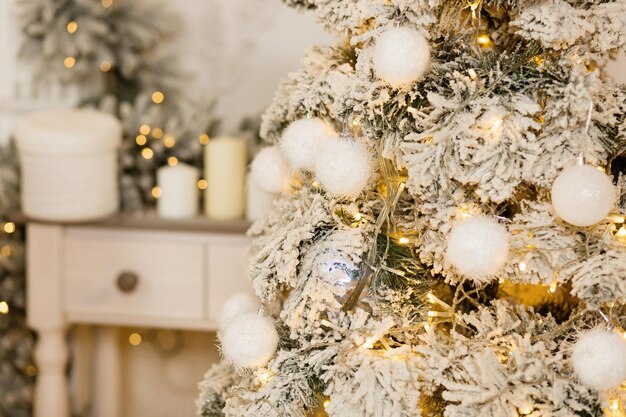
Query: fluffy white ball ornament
[478, 248]
[302, 140]
[400, 56]
[599, 359]
[249, 340]
[344, 166]
[582, 195]
[270, 171]
[236, 306]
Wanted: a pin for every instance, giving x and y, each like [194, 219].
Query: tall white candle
[179, 191]
[225, 171]
[258, 201]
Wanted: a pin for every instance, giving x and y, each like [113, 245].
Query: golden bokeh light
[69, 62]
[134, 339]
[72, 26]
[9, 227]
[147, 153]
[31, 370]
[169, 141]
[203, 139]
[158, 97]
[105, 66]
[141, 140]
[157, 133]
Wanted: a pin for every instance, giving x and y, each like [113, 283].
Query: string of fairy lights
[6, 251]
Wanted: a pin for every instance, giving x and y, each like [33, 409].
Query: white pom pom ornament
[344, 166]
[302, 140]
[236, 306]
[400, 56]
[582, 195]
[249, 341]
[599, 359]
[270, 171]
[478, 248]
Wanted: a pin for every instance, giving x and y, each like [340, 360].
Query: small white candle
[258, 201]
[225, 171]
[178, 187]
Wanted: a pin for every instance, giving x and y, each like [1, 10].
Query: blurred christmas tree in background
[112, 51]
[115, 51]
[17, 371]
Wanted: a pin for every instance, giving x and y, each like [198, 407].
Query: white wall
[18, 93]
[234, 50]
[239, 50]
[8, 70]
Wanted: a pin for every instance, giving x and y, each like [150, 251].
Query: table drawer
[227, 261]
[169, 274]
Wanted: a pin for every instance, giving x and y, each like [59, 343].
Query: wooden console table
[124, 271]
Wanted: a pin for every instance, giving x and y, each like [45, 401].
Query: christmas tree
[450, 239]
[17, 369]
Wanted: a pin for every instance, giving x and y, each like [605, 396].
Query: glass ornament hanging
[340, 271]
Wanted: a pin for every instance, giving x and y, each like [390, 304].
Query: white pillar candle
[179, 191]
[258, 201]
[225, 170]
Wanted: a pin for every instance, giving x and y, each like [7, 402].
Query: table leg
[45, 315]
[81, 376]
[51, 392]
[107, 398]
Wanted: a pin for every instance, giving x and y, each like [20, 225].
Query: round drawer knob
[127, 281]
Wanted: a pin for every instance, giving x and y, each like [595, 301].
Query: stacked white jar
[69, 164]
